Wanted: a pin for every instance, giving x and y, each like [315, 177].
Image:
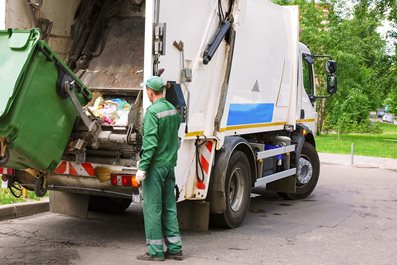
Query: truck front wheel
[308, 172]
[237, 192]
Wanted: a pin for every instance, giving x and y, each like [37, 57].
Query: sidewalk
[359, 161]
[16, 210]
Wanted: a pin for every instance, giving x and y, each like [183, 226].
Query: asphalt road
[350, 219]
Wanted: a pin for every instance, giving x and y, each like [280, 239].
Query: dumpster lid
[15, 50]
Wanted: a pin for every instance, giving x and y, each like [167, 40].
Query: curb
[16, 210]
[359, 161]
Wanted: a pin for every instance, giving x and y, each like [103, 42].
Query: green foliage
[7, 198]
[352, 113]
[367, 74]
[34, 197]
[391, 99]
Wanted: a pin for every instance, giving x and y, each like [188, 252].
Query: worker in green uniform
[156, 173]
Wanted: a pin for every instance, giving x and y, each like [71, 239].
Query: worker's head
[154, 88]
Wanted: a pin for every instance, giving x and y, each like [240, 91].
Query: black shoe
[147, 257]
[176, 256]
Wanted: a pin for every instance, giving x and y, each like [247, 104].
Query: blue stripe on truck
[250, 113]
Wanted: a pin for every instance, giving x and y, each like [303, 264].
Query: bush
[352, 114]
[7, 198]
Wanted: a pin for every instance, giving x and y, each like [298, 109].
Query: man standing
[156, 172]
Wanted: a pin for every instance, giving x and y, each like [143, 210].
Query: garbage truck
[72, 104]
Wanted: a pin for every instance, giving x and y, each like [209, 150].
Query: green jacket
[160, 135]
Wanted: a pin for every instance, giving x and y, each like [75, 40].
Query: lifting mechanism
[94, 128]
[37, 182]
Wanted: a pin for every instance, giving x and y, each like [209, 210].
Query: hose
[14, 187]
[88, 30]
[198, 144]
[221, 14]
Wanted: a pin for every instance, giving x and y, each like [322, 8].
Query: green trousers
[159, 210]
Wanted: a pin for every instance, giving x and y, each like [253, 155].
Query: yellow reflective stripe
[251, 126]
[307, 120]
[190, 134]
[240, 127]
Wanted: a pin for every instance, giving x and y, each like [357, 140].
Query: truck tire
[108, 204]
[308, 174]
[238, 192]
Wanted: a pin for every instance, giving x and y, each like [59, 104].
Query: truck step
[274, 152]
[274, 177]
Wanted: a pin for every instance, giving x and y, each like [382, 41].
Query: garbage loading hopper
[36, 118]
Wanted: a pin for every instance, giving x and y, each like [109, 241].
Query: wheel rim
[305, 170]
[236, 189]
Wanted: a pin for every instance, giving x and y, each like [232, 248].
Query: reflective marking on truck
[251, 126]
[206, 156]
[70, 168]
[249, 113]
[61, 169]
[205, 161]
[6, 171]
[306, 120]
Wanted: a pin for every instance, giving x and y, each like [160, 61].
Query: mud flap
[69, 203]
[194, 215]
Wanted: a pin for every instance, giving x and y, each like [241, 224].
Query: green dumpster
[36, 115]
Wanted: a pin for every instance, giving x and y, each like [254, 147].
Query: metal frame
[280, 175]
[274, 152]
[274, 177]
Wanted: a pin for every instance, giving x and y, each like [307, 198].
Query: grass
[377, 145]
[7, 198]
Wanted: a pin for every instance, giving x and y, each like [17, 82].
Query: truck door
[306, 111]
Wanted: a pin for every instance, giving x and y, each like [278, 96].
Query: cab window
[308, 74]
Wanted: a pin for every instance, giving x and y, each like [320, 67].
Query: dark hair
[157, 92]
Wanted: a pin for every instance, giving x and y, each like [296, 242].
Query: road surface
[350, 219]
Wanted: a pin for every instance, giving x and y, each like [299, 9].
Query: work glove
[140, 176]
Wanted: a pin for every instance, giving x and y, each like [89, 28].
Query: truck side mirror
[331, 67]
[308, 58]
[332, 84]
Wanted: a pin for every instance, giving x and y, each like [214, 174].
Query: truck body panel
[253, 87]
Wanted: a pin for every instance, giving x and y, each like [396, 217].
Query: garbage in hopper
[111, 111]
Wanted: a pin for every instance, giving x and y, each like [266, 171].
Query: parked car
[387, 117]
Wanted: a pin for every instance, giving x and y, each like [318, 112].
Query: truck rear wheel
[108, 205]
[307, 175]
[238, 191]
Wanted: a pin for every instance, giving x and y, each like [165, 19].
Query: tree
[366, 73]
